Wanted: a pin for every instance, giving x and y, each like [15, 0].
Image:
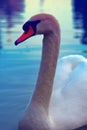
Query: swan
[59, 101]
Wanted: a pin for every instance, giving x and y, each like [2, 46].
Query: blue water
[19, 65]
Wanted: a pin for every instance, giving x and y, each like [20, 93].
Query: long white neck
[44, 84]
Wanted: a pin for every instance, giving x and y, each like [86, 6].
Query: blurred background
[19, 65]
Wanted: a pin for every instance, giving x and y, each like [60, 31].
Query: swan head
[38, 24]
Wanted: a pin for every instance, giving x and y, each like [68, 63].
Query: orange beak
[25, 36]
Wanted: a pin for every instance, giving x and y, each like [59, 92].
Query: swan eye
[27, 25]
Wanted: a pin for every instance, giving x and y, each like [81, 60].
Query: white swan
[58, 103]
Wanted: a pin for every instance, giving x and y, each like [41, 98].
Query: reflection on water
[9, 11]
[13, 13]
[41, 4]
[19, 65]
[80, 18]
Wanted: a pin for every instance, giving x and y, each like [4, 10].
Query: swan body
[68, 101]
[59, 101]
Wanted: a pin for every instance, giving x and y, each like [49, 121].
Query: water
[19, 65]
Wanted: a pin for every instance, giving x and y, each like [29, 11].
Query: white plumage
[59, 101]
[69, 96]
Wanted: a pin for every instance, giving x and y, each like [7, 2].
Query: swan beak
[25, 35]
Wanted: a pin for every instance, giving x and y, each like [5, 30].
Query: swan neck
[44, 84]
